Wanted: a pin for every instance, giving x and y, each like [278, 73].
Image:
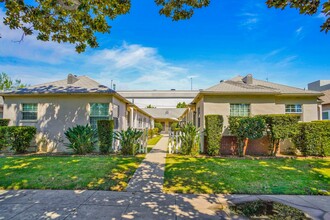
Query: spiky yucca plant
[190, 138]
[129, 140]
[82, 139]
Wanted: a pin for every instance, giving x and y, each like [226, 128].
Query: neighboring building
[324, 87]
[325, 105]
[319, 85]
[244, 96]
[1, 107]
[165, 116]
[159, 98]
[54, 107]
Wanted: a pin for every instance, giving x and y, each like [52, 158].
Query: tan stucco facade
[259, 104]
[220, 104]
[57, 113]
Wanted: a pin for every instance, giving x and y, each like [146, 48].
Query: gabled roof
[326, 97]
[237, 85]
[165, 113]
[79, 85]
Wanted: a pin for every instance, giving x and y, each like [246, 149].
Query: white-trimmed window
[239, 109]
[293, 108]
[326, 115]
[115, 116]
[29, 111]
[98, 111]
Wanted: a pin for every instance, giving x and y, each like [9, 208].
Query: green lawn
[247, 176]
[154, 140]
[67, 172]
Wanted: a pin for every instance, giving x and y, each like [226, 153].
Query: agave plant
[129, 140]
[82, 139]
[190, 138]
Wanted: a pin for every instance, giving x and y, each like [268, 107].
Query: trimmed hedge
[4, 122]
[105, 135]
[278, 128]
[17, 137]
[214, 125]
[313, 138]
[159, 126]
[245, 128]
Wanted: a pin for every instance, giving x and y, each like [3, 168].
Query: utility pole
[191, 84]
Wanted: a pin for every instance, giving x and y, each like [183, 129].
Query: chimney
[248, 79]
[72, 79]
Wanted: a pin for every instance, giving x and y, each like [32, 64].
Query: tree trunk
[246, 141]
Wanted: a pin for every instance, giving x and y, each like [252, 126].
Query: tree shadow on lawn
[69, 172]
[247, 176]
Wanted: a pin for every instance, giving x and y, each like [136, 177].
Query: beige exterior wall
[58, 113]
[259, 105]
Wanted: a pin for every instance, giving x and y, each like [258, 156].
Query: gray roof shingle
[171, 113]
[82, 84]
[236, 85]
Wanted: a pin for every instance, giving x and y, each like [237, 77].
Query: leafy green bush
[105, 135]
[151, 133]
[214, 125]
[313, 138]
[245, 128]
[279, 127]
[17, 137]
[4, 122]
[190, 139]
[156, 131]
[174, 126]
[82, 139]
[129, 140]
[159, 126]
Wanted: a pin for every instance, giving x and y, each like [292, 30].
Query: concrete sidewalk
[149, 177]
[69, 204]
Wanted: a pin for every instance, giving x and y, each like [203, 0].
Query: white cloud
[248, 20]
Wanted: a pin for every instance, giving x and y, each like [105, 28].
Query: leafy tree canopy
[77, 21]
[181, 105]
[150, 106]
[6, 83]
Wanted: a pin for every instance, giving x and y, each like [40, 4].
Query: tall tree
[77, 21]
[6, 83]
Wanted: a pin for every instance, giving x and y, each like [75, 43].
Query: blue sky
[148, 51]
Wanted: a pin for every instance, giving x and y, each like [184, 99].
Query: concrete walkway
[69, 204]
[149, 177]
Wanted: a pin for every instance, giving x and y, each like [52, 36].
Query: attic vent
[72, 79]
[248, 79]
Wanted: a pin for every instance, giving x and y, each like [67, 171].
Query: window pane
[30, 111]
[239, 109]
[99, 109]
[30, 107]
[293, 108]
[325, 116]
